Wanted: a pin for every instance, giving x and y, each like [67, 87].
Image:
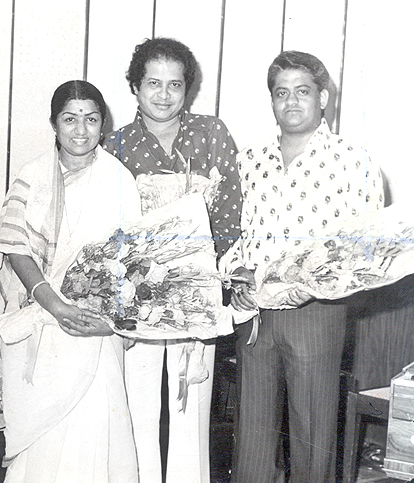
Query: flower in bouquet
[342, 264]
[131, 282]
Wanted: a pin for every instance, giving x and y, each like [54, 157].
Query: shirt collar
[141, 123]
[321, 131]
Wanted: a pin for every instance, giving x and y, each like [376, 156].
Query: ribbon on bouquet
[192, 369]
[255, 329]
[242, 316]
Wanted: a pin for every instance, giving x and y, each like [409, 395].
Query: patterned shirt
[204, 139]
[330, 185]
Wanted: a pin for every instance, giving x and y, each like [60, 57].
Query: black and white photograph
[206, 241]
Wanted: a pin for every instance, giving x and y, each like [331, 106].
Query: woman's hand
[74, 321]
[80, 323]
[243, 286]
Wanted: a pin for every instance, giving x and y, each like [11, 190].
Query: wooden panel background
[317, 27]
[6, 26]
[113, 34]
[364, 43]
[48, 50]
[376, 107]
[252, 39]
[198, 25]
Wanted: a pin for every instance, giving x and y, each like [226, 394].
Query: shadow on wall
[109, 123]
[380, 339]
[330, 110]
[387, 191]
[195, 88]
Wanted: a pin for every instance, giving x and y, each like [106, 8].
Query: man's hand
[297, 297]
[242, 289]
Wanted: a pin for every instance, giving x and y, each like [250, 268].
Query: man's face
[162, 92]
[297, 102]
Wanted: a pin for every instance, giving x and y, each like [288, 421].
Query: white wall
[48, 50]
[252, 39]
[234, 51]
[5, 54]
[113, 34]
[377, 104]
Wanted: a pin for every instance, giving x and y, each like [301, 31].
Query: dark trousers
[300, 350]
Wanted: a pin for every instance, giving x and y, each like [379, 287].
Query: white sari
[65, 407]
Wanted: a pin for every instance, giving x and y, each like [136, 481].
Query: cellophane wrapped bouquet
[159, 190]
[351, 260]
[159, 280]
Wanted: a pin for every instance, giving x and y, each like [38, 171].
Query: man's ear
[136, 90]
[324, 98]
[51, 123]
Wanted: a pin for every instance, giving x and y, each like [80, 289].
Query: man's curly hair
[156, 49]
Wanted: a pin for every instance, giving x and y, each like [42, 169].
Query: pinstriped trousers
[297, 350]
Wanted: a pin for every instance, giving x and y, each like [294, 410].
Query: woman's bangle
[35, 287]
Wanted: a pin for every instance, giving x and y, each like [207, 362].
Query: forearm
[70, 318]
[30, 276]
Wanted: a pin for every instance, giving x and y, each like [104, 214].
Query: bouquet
[342, 264]
[159, 280]
[158, 190]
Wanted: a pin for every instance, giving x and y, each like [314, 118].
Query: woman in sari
[64, 398]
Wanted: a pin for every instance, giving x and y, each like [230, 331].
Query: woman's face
[162, 92]
[78, 127]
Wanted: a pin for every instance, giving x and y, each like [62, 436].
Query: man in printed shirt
[207, 141]
[161, 73]
[303, 184]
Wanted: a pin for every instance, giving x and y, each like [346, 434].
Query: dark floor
[369, 471]
[222, 429]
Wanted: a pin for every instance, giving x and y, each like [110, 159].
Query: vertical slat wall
[234, 42]
[114, 30]
[377, 108]
[377, 105]
[317, 27]
[48, 50]
[6, 22]
[198, 25]
[252, 39]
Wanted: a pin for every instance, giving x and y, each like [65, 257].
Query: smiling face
[78, 130]
[161, 95]
[297, 102]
